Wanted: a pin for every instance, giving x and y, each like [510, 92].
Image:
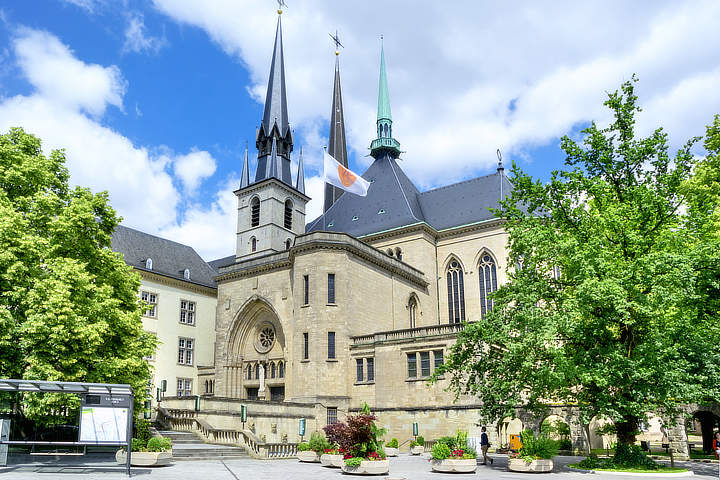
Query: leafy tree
[600, 311]
[68, 305]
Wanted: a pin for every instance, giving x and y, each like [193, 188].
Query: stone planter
[454, 465]
[144, 459]
[308, 456]
[331, 460]
[369, 467]
[391, 452]
[417, 450]
[536, 466]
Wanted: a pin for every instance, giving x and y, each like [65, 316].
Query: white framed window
[184, 387]
[151, 299]
[187, 312]
[151, 357]
[185, 350]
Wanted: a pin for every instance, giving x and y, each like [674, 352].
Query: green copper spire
[383, 95]
[384, 143]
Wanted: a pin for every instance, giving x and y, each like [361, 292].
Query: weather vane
[281, 4]
[499, 155]
[336, 39]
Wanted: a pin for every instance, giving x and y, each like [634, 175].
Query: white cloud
[89, 5]
[454, 70]
[63, 79]
[193, 168]
[136, 38]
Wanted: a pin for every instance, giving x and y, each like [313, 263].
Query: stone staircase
[189, 446]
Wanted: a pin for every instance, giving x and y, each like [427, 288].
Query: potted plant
[359, 437]
[417, 446]
[391, 448]
[333, 457]
[146, 450]
[535, 454]
[310, 451]
[452, 455]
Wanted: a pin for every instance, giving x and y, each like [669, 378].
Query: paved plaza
[404, 466]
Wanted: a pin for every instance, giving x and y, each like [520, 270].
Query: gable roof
[168, 258]
[221, 262]
[393, 201]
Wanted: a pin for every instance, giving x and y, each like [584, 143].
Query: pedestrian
[716, 445]
[484, 445]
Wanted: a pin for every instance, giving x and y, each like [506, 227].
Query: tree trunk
[627, 430]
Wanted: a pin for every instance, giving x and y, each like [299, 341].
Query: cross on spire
[336, 39]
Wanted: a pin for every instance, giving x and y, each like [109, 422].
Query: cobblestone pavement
[402, 467]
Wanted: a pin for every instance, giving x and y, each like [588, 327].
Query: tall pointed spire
[245, 175]
[384, 143]
[336, 145]
[300, 182]
[275, 127]
[272, 164]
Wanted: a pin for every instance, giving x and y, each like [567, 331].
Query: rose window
[265, 339]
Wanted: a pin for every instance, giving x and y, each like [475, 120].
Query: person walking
[716, 445]
[484, 445]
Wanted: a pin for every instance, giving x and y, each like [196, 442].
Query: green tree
[69, 308]
[600, 310]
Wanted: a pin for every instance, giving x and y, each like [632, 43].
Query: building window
[257, 371]
[185, 351]
[306, 289]
[488, 282]
[438, 358]
[272, 370]
[148, 264]
[359, 370]
[331, 345]
[184, 387]
[281, 370]
[255, 212]
[412, 365]
[425, 364]
[288, 214]
[186, 274]
[331, 288]
[252, 393]
[151, 299]
[556, 273]
[253, 244]
[412, 308]
[249, 372]
[370, 369]
[332, 415]
[306, 346]
[187, 312]
[456, 292]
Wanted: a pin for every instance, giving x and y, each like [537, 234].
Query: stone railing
[187, 421]
[408, 333]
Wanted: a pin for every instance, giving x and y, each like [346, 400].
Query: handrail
[389, 335]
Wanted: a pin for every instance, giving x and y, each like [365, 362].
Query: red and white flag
[341, 177]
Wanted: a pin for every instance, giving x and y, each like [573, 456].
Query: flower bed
[333, 457]
[452, 455]
[308, 456]
[535, 455]
[144, 459]
[368, 467]
[534, 466]
[417, 446]
[454, 465]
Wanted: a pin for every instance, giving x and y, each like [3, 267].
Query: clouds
[136, 38]
[193, 168]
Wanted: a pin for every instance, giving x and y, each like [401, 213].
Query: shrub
[142, 431]
[537, 447]
[392, 443]
[353, 462]
[318, 443]
[565, 444]
[159, 444]
[440, 451]
[136, 445]
[358, 435]
[626, 456]
[420, 440]
[449, 441]
[303, 447]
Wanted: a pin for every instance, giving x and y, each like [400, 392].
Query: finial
[500, 167]
[336, 39]
[281, 3]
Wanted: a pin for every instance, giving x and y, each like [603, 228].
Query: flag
[341, 177]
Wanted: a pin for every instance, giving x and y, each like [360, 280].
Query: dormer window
[381, 211]
[186, 274]
[148, 264]
[355, 218]
[331, 224]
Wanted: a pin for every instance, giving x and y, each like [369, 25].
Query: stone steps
[190, 446]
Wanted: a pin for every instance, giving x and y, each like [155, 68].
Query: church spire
[275, 127]
[336, 144]
[384, 143]
[245, 175]
[300, 182]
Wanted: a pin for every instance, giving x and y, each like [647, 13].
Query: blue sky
[154, 100]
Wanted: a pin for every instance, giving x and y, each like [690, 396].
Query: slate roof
[393, 193]
[221, 262]
[168, 258]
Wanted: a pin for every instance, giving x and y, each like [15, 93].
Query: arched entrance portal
[256, 365]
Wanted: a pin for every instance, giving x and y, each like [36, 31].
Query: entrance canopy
[7, 385]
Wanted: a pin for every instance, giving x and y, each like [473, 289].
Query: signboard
[302, 427]
[4, 436]
[104, 419]
[415, 429]
[243, 413]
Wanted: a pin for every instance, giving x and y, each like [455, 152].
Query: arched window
[253, 244]
[272, 370]
[186, 274]
[390, 252]
[255, 212]
[207, 387]
[288, 214]
[281, 370]
[257, 370]
[412, 308]
[148, 264]
[249, 372]
[487, 274]
[398, 253]
[456, 292]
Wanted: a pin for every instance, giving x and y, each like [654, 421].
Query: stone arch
[557, 428]
[413, 308]
[506, 427]
[255, 311]
[449, 259]
[598, 440]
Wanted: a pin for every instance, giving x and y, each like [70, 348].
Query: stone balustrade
[407, 334]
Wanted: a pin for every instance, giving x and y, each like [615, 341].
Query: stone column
[677, 438]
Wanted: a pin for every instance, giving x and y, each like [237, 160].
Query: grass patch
[632, 470]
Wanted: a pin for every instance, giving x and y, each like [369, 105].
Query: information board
[103, 424]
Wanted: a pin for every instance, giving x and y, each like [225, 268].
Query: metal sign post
[415, 430]
[302, 429]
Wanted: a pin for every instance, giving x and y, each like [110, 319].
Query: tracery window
[272, 370]
[255, 212]
[281, 370]
[487, 274]
[412, 308]
[456, 292]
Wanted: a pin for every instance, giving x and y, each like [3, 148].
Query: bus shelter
[106, 412]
